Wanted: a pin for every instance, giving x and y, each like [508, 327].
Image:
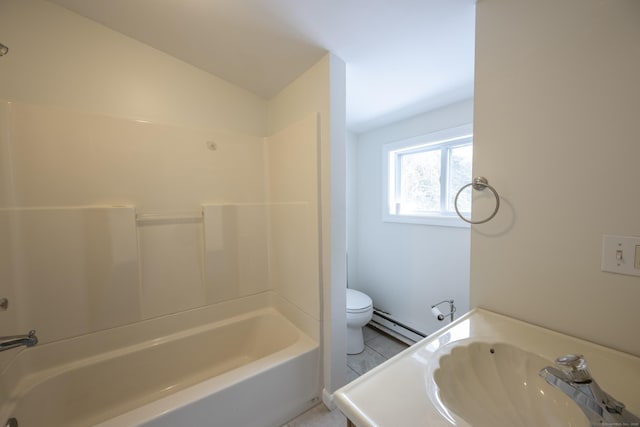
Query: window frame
[449, 138]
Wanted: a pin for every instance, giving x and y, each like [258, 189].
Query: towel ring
[479, 183]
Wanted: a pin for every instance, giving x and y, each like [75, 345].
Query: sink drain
[11, 422]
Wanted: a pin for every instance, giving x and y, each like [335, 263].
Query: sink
[480, 371]
[497, 384]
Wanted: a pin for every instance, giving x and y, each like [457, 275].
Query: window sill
[439, 221]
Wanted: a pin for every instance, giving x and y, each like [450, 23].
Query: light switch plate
[621, 254]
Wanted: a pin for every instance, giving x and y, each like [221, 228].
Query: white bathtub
[255, 369]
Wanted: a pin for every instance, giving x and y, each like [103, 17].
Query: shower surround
[108, 222]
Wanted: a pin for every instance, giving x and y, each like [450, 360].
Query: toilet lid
[356, 300]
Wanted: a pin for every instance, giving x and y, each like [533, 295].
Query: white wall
[556, 131]
[352, 205]
[405, 268]
[59, 58]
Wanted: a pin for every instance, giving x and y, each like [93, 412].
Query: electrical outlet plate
[621, 254]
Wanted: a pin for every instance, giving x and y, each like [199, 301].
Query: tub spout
[7, 343]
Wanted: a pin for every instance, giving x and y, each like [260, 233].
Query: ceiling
[403, 57]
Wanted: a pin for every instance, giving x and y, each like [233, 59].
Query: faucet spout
[574, 380]
[9, 342]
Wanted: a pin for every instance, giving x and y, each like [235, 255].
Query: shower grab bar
[173, 217]
[479, 183]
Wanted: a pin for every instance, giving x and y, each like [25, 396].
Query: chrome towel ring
[479, 183]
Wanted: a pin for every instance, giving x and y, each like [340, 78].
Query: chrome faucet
[7, 343]
[574, 380]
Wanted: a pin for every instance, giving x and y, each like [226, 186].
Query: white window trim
[422, 140]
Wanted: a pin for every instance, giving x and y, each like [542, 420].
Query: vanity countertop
[402, 392]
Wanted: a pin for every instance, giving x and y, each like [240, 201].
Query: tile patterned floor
[378, 348]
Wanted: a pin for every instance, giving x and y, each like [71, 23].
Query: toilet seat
[357, 302]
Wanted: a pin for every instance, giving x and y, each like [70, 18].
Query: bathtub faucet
[7, 343]
[574, 380]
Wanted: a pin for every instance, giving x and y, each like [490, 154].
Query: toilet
[359, 313]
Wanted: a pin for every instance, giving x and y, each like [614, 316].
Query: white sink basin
[498, 384]
[452, 378]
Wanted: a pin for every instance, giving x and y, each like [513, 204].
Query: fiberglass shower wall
[103, 220]
[107, 221]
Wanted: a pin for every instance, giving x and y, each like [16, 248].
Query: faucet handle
[575, 367]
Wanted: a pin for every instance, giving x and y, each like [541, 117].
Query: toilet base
[355, 340]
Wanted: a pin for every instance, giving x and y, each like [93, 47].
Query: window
[423, 175]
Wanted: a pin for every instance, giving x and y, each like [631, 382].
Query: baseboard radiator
[387, 323]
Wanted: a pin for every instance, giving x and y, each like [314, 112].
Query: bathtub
[253, 369]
